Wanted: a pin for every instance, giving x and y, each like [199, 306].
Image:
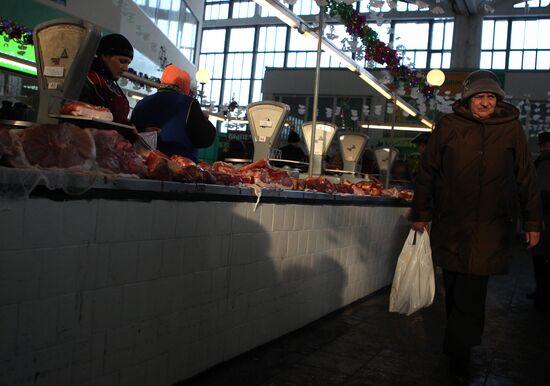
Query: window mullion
[253, 65]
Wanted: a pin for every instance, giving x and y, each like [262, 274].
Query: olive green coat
[473, 177]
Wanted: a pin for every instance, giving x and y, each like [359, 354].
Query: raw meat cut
[63, 146]
[81, 109]
[115, 154]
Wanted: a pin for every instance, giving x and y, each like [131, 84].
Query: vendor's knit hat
[293, 137]
[481, 81]
[115, 44]
[176, 76]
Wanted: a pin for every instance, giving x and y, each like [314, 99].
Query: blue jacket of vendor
[169, 110]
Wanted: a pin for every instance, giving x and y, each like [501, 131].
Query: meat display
[64, 146]
[11, 148]
[81, 109]
[115, 154]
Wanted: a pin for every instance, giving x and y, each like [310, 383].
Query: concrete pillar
[466, 50]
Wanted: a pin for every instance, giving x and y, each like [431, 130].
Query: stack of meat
[259, 173]
[71, 148]
[176, 168]
[81, 109]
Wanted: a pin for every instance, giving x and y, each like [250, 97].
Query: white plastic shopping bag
[413, 284]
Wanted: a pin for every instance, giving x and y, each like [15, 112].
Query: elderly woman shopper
[473, 177]
[113, 56]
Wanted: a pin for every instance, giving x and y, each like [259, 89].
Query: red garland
[376, 50]
[20, 34]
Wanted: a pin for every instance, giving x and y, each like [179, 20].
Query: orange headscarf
[178, 77]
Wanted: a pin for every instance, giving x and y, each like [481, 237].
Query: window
[411, 40]
[305, 7]
[238, 70]
[270, 53]
[532, 4]
[216, 9]
[175, 19]
[515, 44]
[401, 6]
[243, 9]
[212, 60]
[441, 44]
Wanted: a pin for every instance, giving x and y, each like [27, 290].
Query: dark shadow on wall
[264, 295]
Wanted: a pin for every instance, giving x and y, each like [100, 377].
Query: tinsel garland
[376, 50]
[18, 33]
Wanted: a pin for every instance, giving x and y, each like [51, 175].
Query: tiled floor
[364, 344]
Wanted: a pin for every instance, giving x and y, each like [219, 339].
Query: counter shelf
[129, 132]
[62, 185]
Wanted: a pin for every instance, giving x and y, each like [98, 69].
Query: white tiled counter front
[127, 292]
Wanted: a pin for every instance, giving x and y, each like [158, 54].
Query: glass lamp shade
[435, 78]
[202, 76]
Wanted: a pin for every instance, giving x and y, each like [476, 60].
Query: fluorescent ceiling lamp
[337, 55]
[405, 108]
[17, 66]
[427, 123]
[283, 13]
[389, 127]
[292, 20]
[374, 84]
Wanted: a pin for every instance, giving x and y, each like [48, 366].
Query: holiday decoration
[377, 51]
[13, 31]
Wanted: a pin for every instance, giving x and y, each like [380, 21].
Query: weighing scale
[324, 132]
[385, 158]
[64, 51]
[266, 119]
[352, 145]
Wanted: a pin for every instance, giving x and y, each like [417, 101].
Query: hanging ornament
[331, 35]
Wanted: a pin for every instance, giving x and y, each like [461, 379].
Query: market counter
[147, 282]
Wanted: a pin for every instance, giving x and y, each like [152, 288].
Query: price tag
[55, 72]
[262, 138]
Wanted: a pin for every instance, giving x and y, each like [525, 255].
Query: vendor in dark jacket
[113, 56]
[183, 126]
[475, 172]
[541, 253]
[292, 151]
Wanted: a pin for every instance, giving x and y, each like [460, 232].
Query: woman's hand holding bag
[413, 284]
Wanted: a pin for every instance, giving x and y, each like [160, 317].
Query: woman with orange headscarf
[183, 126]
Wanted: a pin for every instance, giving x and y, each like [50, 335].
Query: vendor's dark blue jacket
[184, 128]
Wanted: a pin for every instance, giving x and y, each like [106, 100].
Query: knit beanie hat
[293, 137]
[481, 81]
[177, 77]
[115, 44]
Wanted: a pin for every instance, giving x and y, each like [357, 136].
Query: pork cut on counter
[81, 109]
[64, 146]
[115, 154]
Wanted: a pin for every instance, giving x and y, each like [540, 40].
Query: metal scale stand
[324, 132]
[266, 119]
[352, 145]
[64, 51]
